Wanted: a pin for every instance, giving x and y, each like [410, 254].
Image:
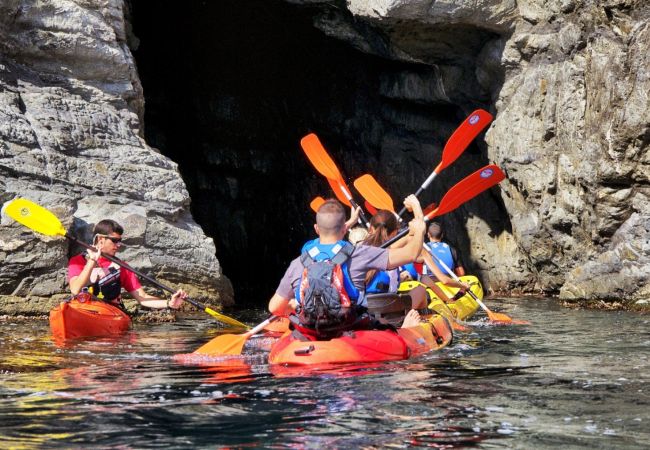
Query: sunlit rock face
[568, 82]
[225, 90]
[70, 139]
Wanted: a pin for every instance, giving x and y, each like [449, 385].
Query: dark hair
[330, 217]
[383, 224]
[108, 226]
[435, 230]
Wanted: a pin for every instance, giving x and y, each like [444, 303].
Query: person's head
[383, 226]
[107, 236]
[330, 219]
[435, 231]
[357, 234]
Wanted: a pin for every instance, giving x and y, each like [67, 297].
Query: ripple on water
[575, 379]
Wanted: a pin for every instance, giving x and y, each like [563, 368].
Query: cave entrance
[230, 89]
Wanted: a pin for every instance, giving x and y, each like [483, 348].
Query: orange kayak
[364, 346]
[75, 319]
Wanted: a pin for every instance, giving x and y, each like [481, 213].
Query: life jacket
[412, 269]
[443, 252]
[379, 284]
[327, 298]
[109, 286]
[321, 252]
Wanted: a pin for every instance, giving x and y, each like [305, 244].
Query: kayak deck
[76, 319]
[462, 308]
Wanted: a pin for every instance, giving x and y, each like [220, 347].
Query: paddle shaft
[424, 185]
[362, 216]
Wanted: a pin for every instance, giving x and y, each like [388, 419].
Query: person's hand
[413, 204]
[177, 299]
[94, 254]
[465, 287]
[416, 226]
[405, 276]
[354, 217]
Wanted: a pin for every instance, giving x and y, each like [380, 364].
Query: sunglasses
[115, 240]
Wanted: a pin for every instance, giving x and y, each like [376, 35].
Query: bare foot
[412, 319]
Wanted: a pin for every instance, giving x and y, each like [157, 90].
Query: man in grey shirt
[331, 228]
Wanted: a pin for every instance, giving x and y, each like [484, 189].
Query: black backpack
[325, 306]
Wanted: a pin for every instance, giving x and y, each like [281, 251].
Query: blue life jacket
[443, 252]
[322, 252]
[410, 268]
[379, 284]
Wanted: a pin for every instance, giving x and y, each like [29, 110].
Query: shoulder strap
[343, 254]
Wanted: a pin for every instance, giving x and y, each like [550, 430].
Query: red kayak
[83, 317]
[364, 346]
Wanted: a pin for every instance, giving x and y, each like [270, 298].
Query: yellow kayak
[462, 308]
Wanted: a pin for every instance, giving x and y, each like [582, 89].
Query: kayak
[83, 317]
[462, 308]
[364, 346]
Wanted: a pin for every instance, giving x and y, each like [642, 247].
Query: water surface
[574, 378]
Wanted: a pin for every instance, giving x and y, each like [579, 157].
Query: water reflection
[572, 378]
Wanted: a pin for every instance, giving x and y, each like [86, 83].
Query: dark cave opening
[231, 87]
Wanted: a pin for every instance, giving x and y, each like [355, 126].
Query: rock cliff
[567, 81]
[71, 140]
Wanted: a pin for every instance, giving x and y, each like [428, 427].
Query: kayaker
[443, 250]
[107, 279]
[331, 229]
[357, 234]
[446, 253]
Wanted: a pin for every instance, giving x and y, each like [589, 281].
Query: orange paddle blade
[468, 188]
[505, 319]
[316, 203]
[430, 207]
[371, 209]
[226, 344]
[338, 191]
[463, 136]
[319, 158]
[370, 189]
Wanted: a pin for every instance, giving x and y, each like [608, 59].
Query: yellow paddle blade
[226, 344]
[35, 217]
[373, 192]
[225, 319]
[316, 203]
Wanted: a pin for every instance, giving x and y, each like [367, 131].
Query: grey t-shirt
[363, 259]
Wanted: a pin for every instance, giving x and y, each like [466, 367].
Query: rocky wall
[71, 140]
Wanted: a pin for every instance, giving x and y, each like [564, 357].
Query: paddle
[316, 203]
[374, 194]
[371, 209]
[493, 316]
[41, 220]
[466, 189]
[231, 344]
[456, 144]
[324, 164]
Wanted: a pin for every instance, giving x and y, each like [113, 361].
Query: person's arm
[442, 277]
[281, 306]
[354, 216]
[157, 303]
[410, 251]
[78, 282]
